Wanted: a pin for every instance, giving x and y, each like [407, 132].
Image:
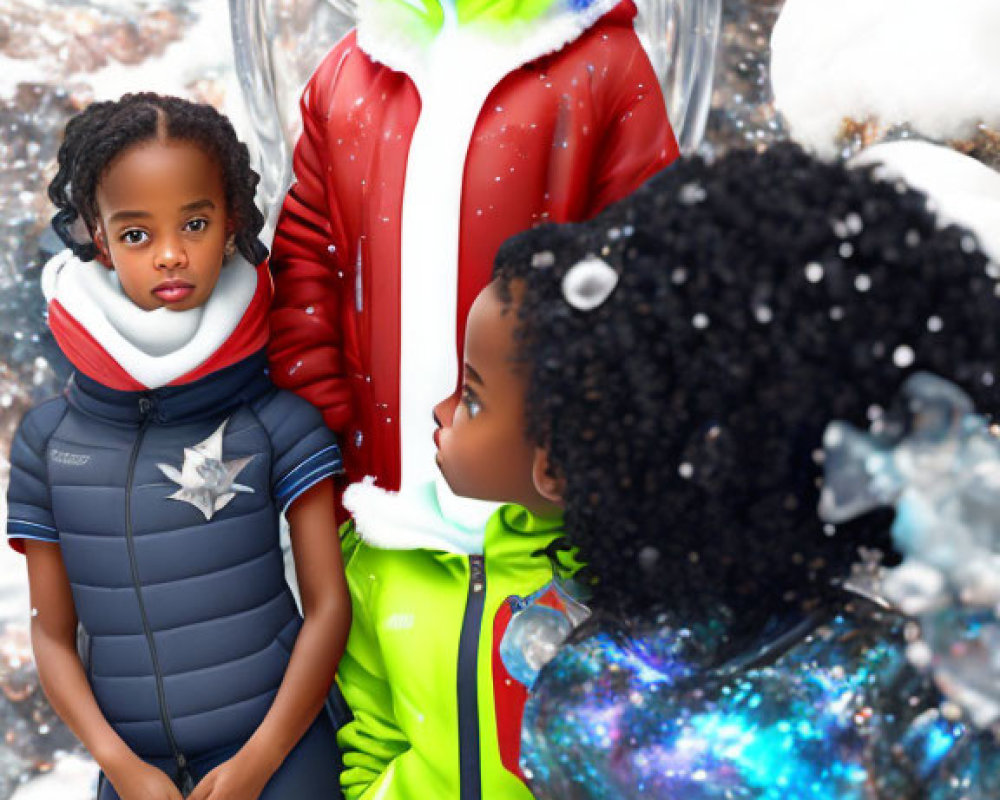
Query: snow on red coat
[557, 138]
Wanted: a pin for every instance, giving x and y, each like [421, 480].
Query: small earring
[230, 248]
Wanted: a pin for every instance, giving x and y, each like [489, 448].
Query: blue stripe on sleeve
[22, 529]
[308, 481]
[30, 524]
[308, 477]
[328, 455]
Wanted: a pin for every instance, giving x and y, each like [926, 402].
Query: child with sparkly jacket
[147, 496]
[690, 375]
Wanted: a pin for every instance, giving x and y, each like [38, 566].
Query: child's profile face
[482, 448]
[163, 223]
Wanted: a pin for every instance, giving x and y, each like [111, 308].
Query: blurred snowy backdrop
[58, 55]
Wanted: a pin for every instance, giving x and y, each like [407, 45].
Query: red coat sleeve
[638, 140]
[305, 350]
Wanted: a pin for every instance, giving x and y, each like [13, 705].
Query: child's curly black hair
[97, 135]
[759, 298]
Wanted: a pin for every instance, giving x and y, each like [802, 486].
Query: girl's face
[482, 449]
[163, 223]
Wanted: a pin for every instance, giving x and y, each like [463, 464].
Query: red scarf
[88, 356]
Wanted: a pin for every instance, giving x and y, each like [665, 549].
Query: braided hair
[758, 299]
[95, 137]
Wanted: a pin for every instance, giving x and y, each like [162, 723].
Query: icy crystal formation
[938, 463]
[536, 629]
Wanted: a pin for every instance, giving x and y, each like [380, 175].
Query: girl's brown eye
[133, 237]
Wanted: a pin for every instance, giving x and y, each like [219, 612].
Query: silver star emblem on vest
[206, 480]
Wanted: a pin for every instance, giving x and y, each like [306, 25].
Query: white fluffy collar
[401, 35]
[425, 517]
[154, 347]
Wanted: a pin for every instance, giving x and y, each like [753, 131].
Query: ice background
[58, 55]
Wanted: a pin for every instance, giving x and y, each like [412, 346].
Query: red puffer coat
[556, 139]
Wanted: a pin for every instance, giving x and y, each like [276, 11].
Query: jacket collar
[494, 37]
[109, 338]
[210, 396]
[427, 516]
[431, 517]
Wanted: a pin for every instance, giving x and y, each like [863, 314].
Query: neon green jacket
[436, 714]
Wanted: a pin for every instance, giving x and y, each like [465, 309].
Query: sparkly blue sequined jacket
[828, 709]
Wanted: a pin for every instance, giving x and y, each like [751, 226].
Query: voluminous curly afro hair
[758, 299]
[104, 130]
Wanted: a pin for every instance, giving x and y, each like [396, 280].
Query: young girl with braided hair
[686, 375]
[147, 496]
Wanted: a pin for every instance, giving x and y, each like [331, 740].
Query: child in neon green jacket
[457, 603]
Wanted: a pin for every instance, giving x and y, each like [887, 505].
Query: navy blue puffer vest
[171, 544]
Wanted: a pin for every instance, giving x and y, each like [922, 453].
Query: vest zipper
[183, 779]
[470, 768]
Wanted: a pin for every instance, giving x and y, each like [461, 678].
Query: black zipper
[470, 769]
[183, 779]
